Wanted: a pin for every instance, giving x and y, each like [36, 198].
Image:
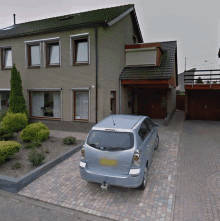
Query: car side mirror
[156, 125]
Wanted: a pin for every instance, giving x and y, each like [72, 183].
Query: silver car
[118, 151]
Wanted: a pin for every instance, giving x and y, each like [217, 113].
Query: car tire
[144, 182]
[157, 143]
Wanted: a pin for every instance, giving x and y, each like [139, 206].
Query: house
[150, 79]
[73, 67]
[181, 83]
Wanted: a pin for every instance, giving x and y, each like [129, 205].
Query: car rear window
[109, 140]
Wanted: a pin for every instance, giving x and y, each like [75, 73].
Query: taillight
[136, 158]
[82, 154]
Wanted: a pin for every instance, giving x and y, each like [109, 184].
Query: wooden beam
[132, 81]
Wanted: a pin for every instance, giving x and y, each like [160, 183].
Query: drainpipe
[119, 96]
[96, 75]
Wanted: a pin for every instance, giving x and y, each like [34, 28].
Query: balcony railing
[191, 79]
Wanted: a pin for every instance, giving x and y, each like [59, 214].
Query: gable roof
[104, 17]
[163, 71]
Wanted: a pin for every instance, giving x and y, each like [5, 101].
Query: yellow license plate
[108, 162]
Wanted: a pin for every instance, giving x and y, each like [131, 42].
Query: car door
[152, 137]
[153, 131]
[144, 133]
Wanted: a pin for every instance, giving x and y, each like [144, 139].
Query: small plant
[15, 166]
[29, 146]
[8, 149]
[46, 150]
[69, 140]
[2, 114]
[35, 132]
[36, 157]
[4, 134]
[37, 144]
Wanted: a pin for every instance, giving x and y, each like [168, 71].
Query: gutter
[96, 74]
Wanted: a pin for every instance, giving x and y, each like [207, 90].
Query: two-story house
[70, 65]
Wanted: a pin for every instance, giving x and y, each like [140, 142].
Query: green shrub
[4, 134]
[37, 144]
[14, 122]
[8, 150]
[35, 132]
[2, 114]
[69, 140]
[15, 166]
[29, 146]
[36, 157]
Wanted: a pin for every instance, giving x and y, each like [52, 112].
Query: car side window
[150, 123]
[144, 131]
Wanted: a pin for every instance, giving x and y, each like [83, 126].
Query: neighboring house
[150, 79]
[181, 84]
[70, 66]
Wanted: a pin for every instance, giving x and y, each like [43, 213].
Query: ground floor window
[4, 100]
[81, 105]
[45, 104]
[113, 102]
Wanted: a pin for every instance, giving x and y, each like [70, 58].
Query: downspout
[120, 96]
[96, 75]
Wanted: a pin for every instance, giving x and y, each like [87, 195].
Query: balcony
[202, 79]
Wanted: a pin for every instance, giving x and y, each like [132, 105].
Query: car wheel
[157, 143]
[144, 182]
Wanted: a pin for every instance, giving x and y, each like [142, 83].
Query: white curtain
[82, 101]
[37, 103]
[54, 54]
[56, 104]
[35, 55]
[82, 52]
[8, 58]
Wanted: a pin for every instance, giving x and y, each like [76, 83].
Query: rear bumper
[120, 180]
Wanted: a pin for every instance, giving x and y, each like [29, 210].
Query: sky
[194, 24]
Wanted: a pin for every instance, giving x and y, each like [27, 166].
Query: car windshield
[108, 140]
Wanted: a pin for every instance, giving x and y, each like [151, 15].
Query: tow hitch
[104, 186]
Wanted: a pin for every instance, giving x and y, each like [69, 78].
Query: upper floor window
[53, 54]
[6, 57]
[34, 55]
[79, 49]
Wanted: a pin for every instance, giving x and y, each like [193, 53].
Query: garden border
[14, 185]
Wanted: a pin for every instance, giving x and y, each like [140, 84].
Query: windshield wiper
[93, 145]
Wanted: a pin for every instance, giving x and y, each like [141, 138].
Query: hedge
[8, 149]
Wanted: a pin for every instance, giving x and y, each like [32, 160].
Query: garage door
[204, 105]
[152, 104]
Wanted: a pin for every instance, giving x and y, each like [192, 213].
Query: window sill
[33, 67]
[81, 120]
[53, 65]
[7, 68]
[45, 118]
[80, 64]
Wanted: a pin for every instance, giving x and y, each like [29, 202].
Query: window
[4, 100]
[45, 104]
[81, 105]
[34, 55]
[6, 58]
[144, 131]
[53, 54]
[113, 102]
[79, 49]
[150, 123]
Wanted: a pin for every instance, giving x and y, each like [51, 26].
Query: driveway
[63, 185]
[198, 185]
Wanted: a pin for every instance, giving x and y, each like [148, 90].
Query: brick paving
[63, 185]
[198, 184]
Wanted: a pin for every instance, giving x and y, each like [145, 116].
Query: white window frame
[73, 105]
[43, 45]
[72, 49]
[2, 51]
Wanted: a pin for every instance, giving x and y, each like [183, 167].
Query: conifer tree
[16, 101]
